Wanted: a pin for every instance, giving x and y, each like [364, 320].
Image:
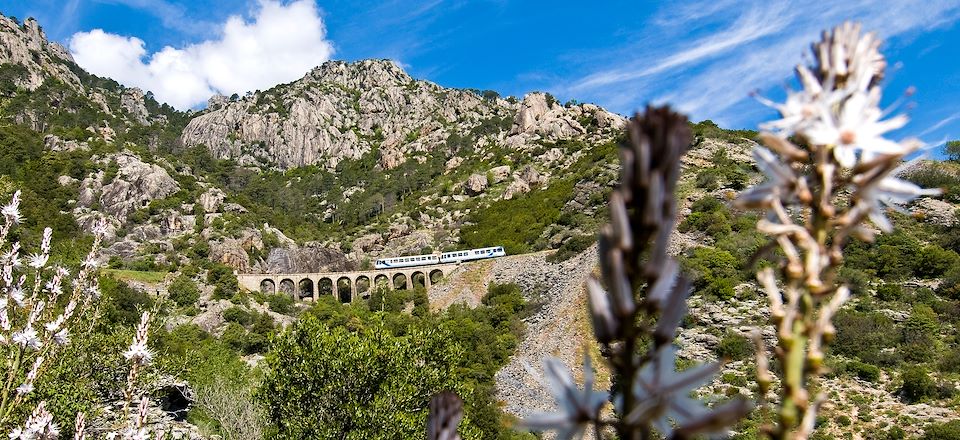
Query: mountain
[345, 110]
[359, 160]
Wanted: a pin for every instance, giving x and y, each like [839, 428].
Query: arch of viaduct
[347, 286]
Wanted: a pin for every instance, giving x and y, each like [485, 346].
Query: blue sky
[704, 56]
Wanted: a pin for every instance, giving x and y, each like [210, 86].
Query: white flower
[27, 338]
[891, 192]
[779, 183]
[663, 392]
[25, 388]
[62, 337]
[856, 126]
[16, 293]
[37, 261]
[11, 211]
[45, 242]
[801, 109]
[577, 407]
[138, 352]
[90, 262]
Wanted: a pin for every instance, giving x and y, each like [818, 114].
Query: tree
[953, 150]
[333, 383]
[184, 291]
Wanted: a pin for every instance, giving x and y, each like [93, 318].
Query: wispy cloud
[734, 48]
[172, 16]
[939, 124]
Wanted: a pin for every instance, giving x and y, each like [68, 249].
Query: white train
[444, 257]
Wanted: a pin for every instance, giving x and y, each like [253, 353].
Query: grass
[148, 277]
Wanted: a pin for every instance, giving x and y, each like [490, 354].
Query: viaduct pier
[346, 286]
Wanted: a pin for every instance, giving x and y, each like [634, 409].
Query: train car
[408, 261]
[445, 257]
[472, 254]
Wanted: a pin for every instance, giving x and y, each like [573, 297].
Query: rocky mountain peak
[25, 45]
[360, 74]
[344, 110]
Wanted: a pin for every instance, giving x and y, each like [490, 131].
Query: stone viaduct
[346, 286]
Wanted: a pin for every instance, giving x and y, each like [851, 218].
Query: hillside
[359, 160]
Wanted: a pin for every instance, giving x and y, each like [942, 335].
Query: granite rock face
[344, 110]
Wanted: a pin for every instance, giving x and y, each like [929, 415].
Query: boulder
[453, 163]
[136, 185]
[211, 199]
[231, 253]
[476, 184]
[516, 187]
[132, 101]
[500, 173]
[531, 176]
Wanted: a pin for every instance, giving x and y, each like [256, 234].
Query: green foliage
[917, 384]
[734, 346]
[709, 129]
[952, 149]
[361, 384]
[942, 431]
[867, 372]
[224, 281]
[122, 305]
[280, 303]
[184, 291]
[237, 315]
[571, 247]
[937, 175]
[516, 224]
[865, 336]
[890, 292]
[714, 271]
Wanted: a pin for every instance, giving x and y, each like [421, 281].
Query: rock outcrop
[343, 110]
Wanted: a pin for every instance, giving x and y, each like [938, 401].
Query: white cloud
[280, 44]
[721, 54]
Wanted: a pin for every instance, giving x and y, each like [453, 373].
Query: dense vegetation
[345, 371]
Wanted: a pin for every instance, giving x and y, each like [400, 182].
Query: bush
[867, 372]
[917, 384]
[572, 247]
[122, 304]
[280, 303]
[890, 292]
[356, 385]
[237, 315]
[184, 291]
[865, 335]
[715, 271]
[734, 346]
[943, 431]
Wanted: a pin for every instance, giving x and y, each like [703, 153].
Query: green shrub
[867, 372]
[917, 384]
[184, 291]
[943, 431]
[234, 336]
[890, 292]
[356, 384]
[734, 346]
[280, 303]
[121, 303]
[572, 247]
[714, 270]
[864, 335]
[237, 315]
[843, 420]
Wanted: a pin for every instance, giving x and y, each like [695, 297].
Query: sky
[705, 57]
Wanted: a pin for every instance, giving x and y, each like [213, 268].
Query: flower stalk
[829, 171]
